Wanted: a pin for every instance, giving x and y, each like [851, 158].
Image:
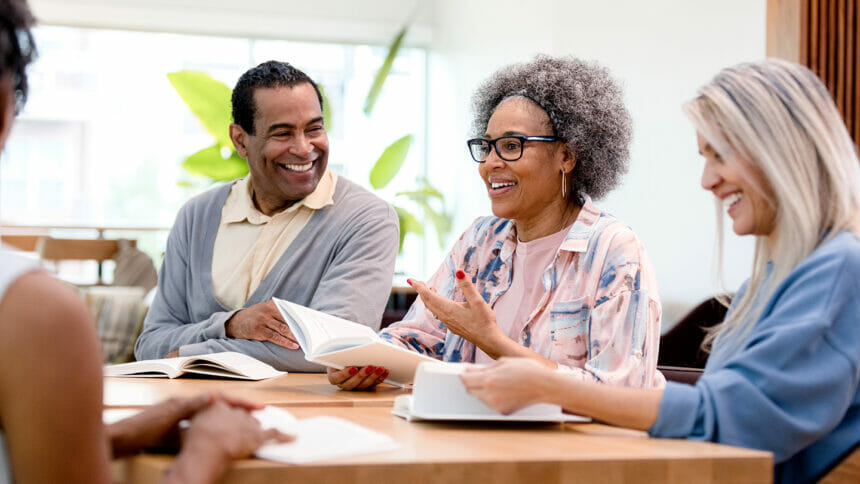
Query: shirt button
[639, 354]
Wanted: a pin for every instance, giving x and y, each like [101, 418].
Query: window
[102, 137]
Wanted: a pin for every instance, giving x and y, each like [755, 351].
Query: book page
[162, 368]
[321, 332]
[318, 438]
[230, 364]
[400, 362]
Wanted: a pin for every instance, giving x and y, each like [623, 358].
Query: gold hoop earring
[562, 186]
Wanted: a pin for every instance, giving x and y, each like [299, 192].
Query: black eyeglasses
[509, 148]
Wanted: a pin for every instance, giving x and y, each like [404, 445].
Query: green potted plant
[209, 100]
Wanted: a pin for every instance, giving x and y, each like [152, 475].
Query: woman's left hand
[508, 384]
[473, 320]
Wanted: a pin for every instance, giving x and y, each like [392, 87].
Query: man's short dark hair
[17, 48]
[270, 74]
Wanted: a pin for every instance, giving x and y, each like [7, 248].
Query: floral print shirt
[599, 316]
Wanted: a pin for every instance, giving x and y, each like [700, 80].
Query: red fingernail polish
[385, 375]
[369, 370]
[460, 274]
[409, 281]
[353, 370]
[379, 371]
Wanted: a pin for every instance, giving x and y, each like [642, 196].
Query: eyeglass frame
[492, 143]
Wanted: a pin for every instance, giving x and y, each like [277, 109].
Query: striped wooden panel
[829, 45]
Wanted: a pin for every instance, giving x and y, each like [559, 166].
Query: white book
[227, 364]
[318, 438]
[439, 394]
[338, 343]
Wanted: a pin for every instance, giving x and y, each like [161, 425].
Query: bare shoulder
[38, 312]
[50, 383]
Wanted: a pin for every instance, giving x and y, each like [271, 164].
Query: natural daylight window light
[102, 137]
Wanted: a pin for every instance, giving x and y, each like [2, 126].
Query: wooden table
[477, 453]
[291, 390]
[438, 452]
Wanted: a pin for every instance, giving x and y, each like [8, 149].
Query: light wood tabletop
[290, 390]
[499, 453]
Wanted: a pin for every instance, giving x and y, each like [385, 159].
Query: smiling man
[290, 229]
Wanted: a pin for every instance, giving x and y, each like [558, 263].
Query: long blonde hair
[780, 117]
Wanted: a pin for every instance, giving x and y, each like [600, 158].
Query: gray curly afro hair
[585, 106]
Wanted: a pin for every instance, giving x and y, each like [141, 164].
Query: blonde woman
[784, 366]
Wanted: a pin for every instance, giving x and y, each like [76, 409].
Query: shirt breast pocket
[569, 320]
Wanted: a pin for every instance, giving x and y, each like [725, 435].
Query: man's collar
[240, 206]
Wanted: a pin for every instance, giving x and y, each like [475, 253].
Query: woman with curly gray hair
[782, 374]
[549, 276]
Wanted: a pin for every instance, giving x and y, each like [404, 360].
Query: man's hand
[261, 322]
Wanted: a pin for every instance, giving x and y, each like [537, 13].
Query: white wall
[348, 21]
[661, 50]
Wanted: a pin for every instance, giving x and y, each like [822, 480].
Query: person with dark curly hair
[51, 426]
[291, 229]
[550, 276]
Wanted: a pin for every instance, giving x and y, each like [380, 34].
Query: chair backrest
[99, 250]
[27, 243]
[846, 471]
[681, 345]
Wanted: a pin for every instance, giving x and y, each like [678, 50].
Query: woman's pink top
[513, 308]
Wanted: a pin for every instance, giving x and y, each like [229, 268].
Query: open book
[338, 343]
[227, 364]
[318, 438]
[438, 394]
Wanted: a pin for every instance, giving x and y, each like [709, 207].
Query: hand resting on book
[261, 322]
[221, 428]
[357, 378]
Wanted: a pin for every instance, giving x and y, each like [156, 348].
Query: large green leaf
[408, 224]
[326, 108]
[441, 222]
[383, 71]
[423, 193]
[387, 166]
[210, 162]
[209, 100]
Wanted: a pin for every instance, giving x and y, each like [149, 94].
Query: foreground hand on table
[218, 434]
[357, 378]
[261, 322]
[158, 425]
[508, 384]
[473, 320]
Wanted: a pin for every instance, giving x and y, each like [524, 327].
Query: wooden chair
[99, 250]
[27, 243]
[847, 470]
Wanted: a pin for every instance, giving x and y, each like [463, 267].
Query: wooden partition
[822, 35]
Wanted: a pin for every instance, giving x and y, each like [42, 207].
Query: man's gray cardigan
[341, 263]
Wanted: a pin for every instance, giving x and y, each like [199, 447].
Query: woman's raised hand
[473, 320]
